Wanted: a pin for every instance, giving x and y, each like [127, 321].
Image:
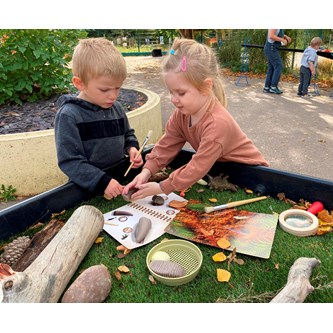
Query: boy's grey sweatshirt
[89, 139]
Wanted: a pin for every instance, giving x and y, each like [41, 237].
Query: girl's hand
[113, 189]
[137, 161]
[140, 179]
[146, 190]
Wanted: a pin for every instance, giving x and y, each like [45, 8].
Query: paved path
[294, 134]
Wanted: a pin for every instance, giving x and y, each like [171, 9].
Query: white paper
[121, 227]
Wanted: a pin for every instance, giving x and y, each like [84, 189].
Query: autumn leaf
[99, 240]
[117, 275]
[239, 261]
[276, 266]
[151, 279]
[219, 257]
[223, 275]
[223, 243]
[123, 269]
[212, 200]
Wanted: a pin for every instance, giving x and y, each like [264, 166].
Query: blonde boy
[309, 64]
[92, 130]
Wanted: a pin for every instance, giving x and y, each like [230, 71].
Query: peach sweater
[216, 137]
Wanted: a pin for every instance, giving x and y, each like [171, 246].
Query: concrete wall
[28, 160]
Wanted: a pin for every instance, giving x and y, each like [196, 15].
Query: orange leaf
[223, 275]
[212, 200]
[223, 243]
[219, 257]
[117, 275]
[99, 240]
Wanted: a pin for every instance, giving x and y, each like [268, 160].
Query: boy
[309, 64]
[92, 130]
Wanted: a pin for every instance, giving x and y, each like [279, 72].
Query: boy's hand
[137, 161]
[113, 189]
[146, 190]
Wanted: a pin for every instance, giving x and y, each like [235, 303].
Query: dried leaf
[223, 275]
[212, 200]
[151, 279]
[248, 191]
[200, 190]
[219, 257]
[123, 269]
[121, 248]
[276, 266]
[99, 240]
[117, 275]
[202, 182]
[223, 243]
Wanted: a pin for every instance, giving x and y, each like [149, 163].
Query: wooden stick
[140, 151]
[233, 204]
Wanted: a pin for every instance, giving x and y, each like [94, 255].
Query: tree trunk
[46, 278]
[298, 286]
[37, 245]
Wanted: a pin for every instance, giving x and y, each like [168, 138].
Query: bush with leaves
[33, 63]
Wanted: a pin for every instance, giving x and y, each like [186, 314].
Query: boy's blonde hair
[95, 57]
[315, 41]
[200, 62]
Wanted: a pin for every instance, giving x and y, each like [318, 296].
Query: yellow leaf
[99, 240]
[223, 275]
[123, 269]
[223, 243]
[248, 191]
[212, 200]
[219, 257]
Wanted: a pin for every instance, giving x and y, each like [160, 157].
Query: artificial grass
[258, 280]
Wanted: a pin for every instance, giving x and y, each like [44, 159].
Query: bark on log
[37, 245]
[298, 285]
[46, 278]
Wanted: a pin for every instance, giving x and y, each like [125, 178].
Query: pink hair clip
[183, 66]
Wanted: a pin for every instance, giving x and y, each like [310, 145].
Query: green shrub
[33, 63]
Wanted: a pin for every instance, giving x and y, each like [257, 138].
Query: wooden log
[46, 278]
[298, 285]
[37, 245]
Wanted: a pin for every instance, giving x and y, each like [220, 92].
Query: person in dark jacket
[92, 130]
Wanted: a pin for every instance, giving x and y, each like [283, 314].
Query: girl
[191, 73]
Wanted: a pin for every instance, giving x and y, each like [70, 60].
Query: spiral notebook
[121, 227]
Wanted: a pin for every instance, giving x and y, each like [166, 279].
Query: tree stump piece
[37, 245]
[47, 277]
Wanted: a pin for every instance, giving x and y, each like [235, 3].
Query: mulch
[40, 115]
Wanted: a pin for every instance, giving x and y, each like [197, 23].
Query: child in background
[191, 73]
[309, 64]
[92, 131]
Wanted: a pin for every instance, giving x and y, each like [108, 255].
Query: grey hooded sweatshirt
[89, 138]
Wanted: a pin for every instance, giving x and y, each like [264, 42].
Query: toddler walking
[309, 64]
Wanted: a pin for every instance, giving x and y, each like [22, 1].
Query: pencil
[140, 151]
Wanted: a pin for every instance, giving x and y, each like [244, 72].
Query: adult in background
[275, 39]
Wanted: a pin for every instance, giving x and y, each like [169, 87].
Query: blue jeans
[275, 65]
[305, 79]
